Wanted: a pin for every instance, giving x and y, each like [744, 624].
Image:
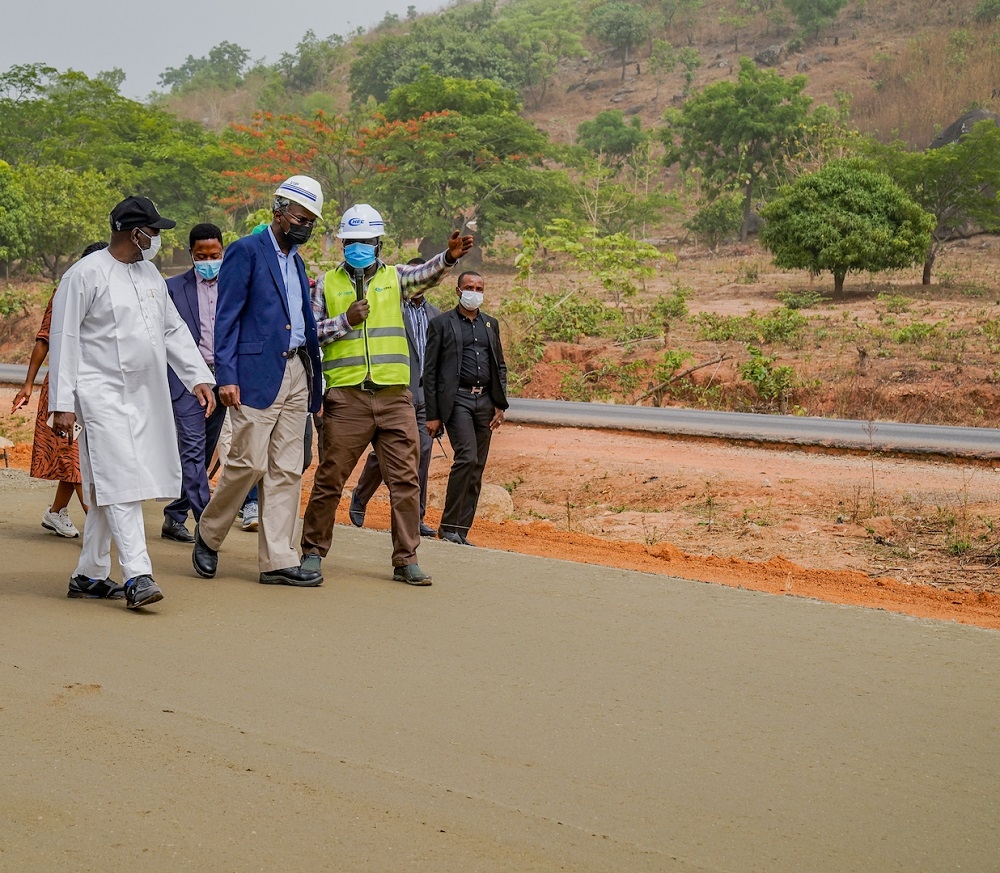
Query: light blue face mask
[208, 270]
[359, 255]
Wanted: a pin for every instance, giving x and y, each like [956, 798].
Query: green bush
[987, 11]
[914, 333]
[800, 299]
[566, 320]
[770, 382]
[13, 301]
[673, 306]
[719, 220]
[782, 325]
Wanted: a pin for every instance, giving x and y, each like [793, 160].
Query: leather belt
[298, 350]
[472, 389]
[371, 387]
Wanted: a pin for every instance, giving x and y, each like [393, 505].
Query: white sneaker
[250, 516]
[60, 523]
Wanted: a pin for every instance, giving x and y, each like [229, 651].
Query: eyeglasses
[299, 220]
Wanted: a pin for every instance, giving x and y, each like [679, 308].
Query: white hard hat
[361, 222]
[304, 191]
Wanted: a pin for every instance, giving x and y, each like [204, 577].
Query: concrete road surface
[519, 715]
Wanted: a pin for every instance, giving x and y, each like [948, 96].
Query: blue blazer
[252, 323]
[183, 290]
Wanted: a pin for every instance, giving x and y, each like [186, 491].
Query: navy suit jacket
[183, 290]
[252, 324]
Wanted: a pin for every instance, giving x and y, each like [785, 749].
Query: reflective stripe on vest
[377, 348]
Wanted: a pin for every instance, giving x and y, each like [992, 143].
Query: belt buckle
[478, 389]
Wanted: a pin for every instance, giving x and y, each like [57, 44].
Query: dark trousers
[371, 475]
[196, 439]
[469, 433]
[352, 419]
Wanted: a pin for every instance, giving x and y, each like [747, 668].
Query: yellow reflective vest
[377, 348]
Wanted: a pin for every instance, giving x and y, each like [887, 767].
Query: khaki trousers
[266, 444]
[352, 419]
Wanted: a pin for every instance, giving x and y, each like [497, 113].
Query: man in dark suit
[195, 295]
[465, 386]
[267, 365]
[417, 313]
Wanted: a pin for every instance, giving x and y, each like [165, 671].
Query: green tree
[539, 34]
[662, 61]
[222, 67]
[620, 263]
[459, 43]
[735, 133]
[621, 25]
[13, 215]
[308, 67]
[71, 121]
[957, 183]
[846, 217]
[442, 167]
[690, 59]
[66, 211]
[815, 14]
[433, 93]
[608, 134]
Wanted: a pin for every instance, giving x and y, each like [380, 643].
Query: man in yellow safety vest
[366, 373]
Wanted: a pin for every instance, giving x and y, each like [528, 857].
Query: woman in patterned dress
[52, 457]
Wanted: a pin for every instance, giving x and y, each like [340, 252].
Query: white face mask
[154, 246]
[472, 300]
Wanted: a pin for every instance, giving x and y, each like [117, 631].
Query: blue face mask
[208, 270]
[359, 255]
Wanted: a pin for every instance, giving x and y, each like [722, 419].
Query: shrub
[770, 382]
[719, 220]
[987, 11]
[800, 299]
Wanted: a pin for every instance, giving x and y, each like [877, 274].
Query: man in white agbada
[114, 330]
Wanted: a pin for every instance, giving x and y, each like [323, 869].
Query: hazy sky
[146, 38]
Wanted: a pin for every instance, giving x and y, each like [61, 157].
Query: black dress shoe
[427, 531]
[451, 537]
[205, 560]
[465, 542]
[356, 514]
[174, 530]
[292, 576]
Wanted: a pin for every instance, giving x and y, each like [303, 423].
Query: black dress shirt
[475, 353]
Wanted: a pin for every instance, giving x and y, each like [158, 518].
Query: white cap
[361, 222]
[304, 191]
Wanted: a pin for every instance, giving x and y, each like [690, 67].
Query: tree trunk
[838, 284]
[747, 203]
[928, 266]
[624, 61]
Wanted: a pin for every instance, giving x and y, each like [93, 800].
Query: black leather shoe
[451, 537]
[356, 514]
[205, 560]
[465, 542]
[292, 576]
[174, 530]
[427, 531]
